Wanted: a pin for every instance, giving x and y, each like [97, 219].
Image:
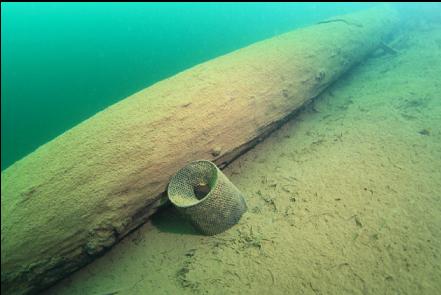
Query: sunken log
[77, 195]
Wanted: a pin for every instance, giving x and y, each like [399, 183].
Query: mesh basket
[205, 196]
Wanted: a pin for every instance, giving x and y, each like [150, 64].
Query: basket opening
[201, 190]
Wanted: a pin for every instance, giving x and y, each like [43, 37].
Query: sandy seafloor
[343, 199]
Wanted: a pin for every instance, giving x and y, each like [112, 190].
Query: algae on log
[77, 195]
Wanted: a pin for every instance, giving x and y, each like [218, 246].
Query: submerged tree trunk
[77, 195]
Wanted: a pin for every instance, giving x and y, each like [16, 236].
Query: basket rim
[209, 194]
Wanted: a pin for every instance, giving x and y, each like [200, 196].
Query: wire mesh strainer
[206, 197]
